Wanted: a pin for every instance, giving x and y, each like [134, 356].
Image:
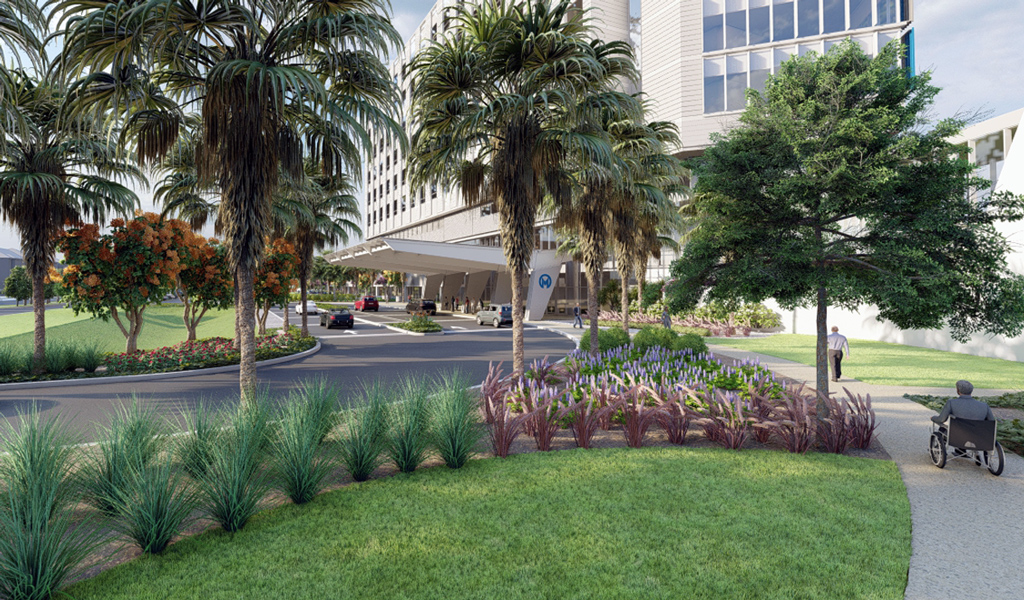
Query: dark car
[425, 306]
[496, 315]
[367, 303]
[339, 317]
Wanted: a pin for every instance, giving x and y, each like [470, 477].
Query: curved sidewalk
[968, 526]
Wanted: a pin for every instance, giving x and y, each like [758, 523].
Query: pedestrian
[465, 304]
[577, 319]
[836, 344]
[445, 305]
[666, 320]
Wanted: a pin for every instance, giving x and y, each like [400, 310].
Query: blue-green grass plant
[407, 442]
[194, 448]
[133, 439]
[303, 458]
[235, 482]
[456, 427]
[42, 542]
[60, 356]
[361, 445]
[320, 398]
[14, 359]
[156, 505]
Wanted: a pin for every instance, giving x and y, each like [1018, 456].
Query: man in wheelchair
[963, 407]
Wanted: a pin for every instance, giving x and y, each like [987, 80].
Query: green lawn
[893, 364]
[653, 523]
[163, 327]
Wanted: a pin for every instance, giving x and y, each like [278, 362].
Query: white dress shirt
[837, 341]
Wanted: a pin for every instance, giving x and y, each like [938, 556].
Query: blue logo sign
[544, 281]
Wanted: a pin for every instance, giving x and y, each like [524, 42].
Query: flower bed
[419, 324]
[201, 354]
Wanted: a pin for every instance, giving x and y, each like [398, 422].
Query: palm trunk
[302, 303]
[624, 297]
[39, 314]
[593, 280]
[246, 317]
[518, 346]
[238, 316]
[821, 355]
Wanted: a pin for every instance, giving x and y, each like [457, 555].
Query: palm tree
[496, 105]
[330, 213]
[266, 76]
[646, 214]
[55, 170]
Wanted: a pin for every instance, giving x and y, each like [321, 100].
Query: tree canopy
[832, 192]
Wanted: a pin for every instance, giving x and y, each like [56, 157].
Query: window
[760, 68]
[387, 186]
[714, 29]
[396, 157]
[887, 12]
[714, 86]
[396, 180]
[486, 210]
[433, 191]
[783, 21]
[860, 14]
[396, 206]
[387, 211]
[403, 204]
[808, 17]
[403, 175]
[833, 15]
[736, 29]
[736, 82]
[760, 25]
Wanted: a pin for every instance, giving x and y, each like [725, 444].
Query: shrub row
[336, 297]
[647, 337]
[419, 324]
[146, 484]
[61, 357]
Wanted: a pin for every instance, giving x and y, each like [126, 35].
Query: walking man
[577, 319]
[836, 344]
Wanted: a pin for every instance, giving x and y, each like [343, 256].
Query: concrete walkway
[968, 526]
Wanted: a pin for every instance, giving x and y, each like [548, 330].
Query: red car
[367, 303]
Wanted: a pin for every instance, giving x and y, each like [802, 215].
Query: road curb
[30, 385]
[407, 332]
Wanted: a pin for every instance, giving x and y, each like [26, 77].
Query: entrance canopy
[413, 256]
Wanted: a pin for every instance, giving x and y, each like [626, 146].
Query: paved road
[366, 353]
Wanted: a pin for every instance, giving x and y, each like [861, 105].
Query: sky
[973, 48]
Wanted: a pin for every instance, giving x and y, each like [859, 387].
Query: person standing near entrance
[836, 344]
[577, 320]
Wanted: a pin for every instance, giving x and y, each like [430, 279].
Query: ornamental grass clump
[156, 505]
[133, 439]
[862, 420]
[235, 481]
[194, 448]
[637, 413]
[14, 359]
[303, 460]
[545, 373]
[726, 418]
[834, 431]
[794, 420]
[42, 542]
[320, 396]
[587, 415]
[362, 443]
[407, 438]
[674, 416]
[494, 388]
[542, 405]
[456, 429]
[503, 424]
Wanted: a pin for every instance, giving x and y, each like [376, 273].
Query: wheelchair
[969, 440]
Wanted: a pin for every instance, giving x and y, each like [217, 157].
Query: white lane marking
[456, 327]
[362, 335]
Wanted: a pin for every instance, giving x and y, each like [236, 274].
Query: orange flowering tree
[205, 280]
[119, 274]
[276, 275]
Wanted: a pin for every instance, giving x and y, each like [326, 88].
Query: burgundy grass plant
[587, 415]
[834, 431]
[503, 425]
[546, 373]
[729, 418]
[762, 407]
[862, 420]
[794, 420]
[542, 406]
[638, 415]
[674, 416]
[494, 388]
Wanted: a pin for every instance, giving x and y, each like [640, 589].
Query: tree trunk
[134, 329]
[302, 303]
[624, 298]
[261, 317]
[39, 332]
[593, 280]
[189, 318]
[246, 317]
[287, 320]
[821, 359]
[238, 315]
[518, 347]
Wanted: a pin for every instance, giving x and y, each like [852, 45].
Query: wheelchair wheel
[937, 450]
[995, 460]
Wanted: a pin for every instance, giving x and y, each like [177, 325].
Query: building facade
[698, 57]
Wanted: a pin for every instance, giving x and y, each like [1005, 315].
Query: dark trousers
[835, 358]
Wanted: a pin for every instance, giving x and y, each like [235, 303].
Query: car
[425, 306]
[340, 317]
[367, 303]
[497, 315]
[310, 308]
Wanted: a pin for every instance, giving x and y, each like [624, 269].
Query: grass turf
[893, 364]
[163, 327]
[652, 523]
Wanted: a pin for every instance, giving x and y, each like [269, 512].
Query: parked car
[367, 303]
[339, 317]
[310, 308]
[426, 306]
[497, 315]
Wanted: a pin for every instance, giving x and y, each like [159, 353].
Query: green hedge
[606, 339]
[419, 324]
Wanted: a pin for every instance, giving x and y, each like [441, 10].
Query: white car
[310, 308]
